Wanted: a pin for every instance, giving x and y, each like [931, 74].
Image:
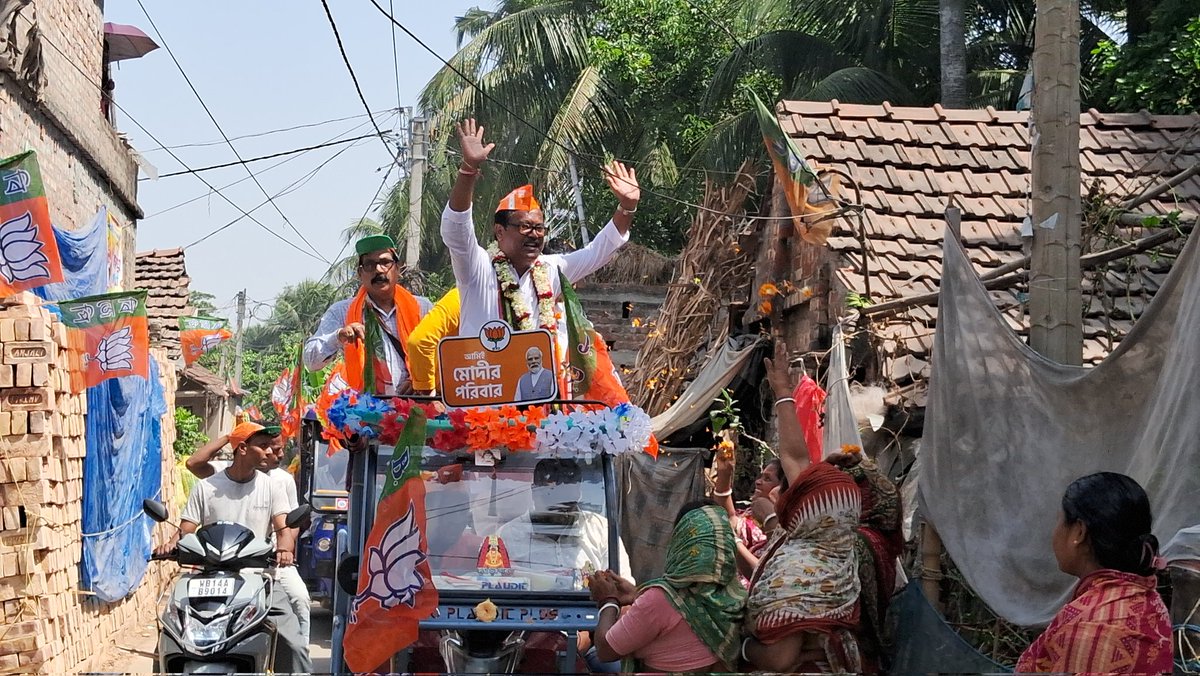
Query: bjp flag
[288, 398]
[199, 335]
[335, 384]
[796, 177]
[109, 337]
[28, 251]
[395, 588]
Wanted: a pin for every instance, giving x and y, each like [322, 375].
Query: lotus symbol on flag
[21, 256]
[392, 566]
[17, 182]
[337, 383]
[495, 335]
[115, 352]
[281, 394]
[209, 342]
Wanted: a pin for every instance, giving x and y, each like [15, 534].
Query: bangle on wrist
[743, 650]
[610, 604]
[784, 399]
[627, 212]
[769, 517]
[467, 170]
[722, 494]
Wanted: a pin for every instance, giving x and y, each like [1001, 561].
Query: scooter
[217, 619]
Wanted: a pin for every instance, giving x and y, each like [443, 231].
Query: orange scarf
[408, 314]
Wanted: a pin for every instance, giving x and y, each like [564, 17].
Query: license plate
[211, 586]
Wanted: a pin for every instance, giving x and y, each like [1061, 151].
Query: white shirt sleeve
[470, 260]
[193, 511]
[583, 262]
[288, 482]
[321, 347]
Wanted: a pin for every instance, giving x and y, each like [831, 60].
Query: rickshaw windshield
[526, 523]
[329, 471]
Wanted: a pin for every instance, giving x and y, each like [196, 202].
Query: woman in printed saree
[802, 611]
[689, 620]
[1115, 621]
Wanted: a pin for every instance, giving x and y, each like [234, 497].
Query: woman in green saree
[689, 620]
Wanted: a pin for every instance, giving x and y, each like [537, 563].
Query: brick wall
[50, 625]
[85, 163]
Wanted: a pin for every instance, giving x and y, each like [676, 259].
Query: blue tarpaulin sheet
[122, 468]
[84, 255]
[924, 644]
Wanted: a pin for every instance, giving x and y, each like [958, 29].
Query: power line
[267, 157]
[206, 144]
[247, 178]
[225, 136]
[535, 128]
[346, 60]
[294, 185]
[395, 57]
[88, 78]
[366, 211]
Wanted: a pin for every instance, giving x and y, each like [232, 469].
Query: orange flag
[335, 384]
[395, 588]
[287, 395]
[110, 337]
[198, 335]
[28, 251]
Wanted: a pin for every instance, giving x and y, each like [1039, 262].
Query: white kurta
[476, 278]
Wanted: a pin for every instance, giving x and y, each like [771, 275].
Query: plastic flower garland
[578, 434]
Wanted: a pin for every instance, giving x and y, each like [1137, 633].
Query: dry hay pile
[710, 267]
[636, 264]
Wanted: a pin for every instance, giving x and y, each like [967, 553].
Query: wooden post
[931, 566]
[1055, 297]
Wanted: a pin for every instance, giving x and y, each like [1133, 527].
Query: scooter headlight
[324, 544]
[249, 615]
[202, 635]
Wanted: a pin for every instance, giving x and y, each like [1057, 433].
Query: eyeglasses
[529, 229]
[386, 264]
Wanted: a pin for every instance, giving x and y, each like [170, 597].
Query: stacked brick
[49, 624]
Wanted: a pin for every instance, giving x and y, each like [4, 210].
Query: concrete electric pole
[416, 180]
[241, 321]
[1055, 297]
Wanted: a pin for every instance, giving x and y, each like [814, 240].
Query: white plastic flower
[21, 255]
[115, 351]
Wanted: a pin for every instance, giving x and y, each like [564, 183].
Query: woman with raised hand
[1115, 622]
[751, 533]
[803, 606]
[689, 620]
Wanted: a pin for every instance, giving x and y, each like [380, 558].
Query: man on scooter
[245, 495]
[202, 465]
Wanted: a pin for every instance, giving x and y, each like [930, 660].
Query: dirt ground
[133, 653]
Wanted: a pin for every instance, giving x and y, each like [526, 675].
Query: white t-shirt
[279, 474]
[252, 504]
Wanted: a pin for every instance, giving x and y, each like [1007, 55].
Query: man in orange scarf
[346, 324]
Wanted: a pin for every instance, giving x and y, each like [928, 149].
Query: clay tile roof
[164, 276]
[909, 162]
[207, 380]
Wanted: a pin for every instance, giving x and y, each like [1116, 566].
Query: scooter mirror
[155, 510]
[297, 516]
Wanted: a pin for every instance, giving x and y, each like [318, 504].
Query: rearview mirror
[155, 510]
[297, 516]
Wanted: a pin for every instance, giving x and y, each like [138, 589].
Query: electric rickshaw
[323, 485]
[522, 530]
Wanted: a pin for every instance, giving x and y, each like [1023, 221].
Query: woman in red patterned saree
[802, 610]
[1115, 622]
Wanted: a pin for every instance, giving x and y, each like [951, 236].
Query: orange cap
[520, 199]
[248, 429]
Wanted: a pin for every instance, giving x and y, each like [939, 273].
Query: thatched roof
[635, 264]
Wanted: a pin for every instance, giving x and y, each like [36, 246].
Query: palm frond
[785, 54]
[584, 118]
[859, 85]
[729, 142]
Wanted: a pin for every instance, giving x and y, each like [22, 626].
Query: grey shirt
[252, 503]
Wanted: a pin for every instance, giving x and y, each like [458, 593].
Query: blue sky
[262, 65]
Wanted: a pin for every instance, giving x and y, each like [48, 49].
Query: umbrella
[126, 42]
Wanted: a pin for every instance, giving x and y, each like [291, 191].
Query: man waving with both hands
[513, 280]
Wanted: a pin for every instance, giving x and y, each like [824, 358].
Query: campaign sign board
[499, 366]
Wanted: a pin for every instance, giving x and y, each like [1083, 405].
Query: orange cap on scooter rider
[248, 429]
